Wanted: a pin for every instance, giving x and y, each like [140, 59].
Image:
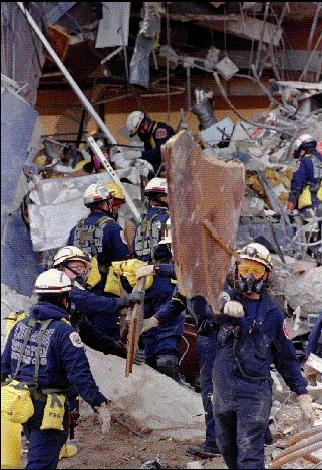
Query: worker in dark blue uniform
[148, 232]
[153, 134]
[93, 313]
[161, 343]
[45, 352]
[171, 311]
[101, 237]
[315, 339]
[252, 334]
[306, 186]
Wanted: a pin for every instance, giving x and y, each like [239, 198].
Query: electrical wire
[168, 63]
[186, 351]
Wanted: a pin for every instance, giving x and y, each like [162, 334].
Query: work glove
[104, 417]
[149, 323]
[132, 298]
[234, 309]
[147, 270]
[305, 403]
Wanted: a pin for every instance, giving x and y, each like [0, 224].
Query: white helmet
[94, 193]
[156, 185]
[256, 252]
[167, 238]
[70, 253]
[304, 139]
[52, 281]
[133, 122]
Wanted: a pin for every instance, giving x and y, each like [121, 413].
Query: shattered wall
[22, 56]
[19, 267]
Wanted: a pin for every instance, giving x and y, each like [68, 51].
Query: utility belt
[17, 397]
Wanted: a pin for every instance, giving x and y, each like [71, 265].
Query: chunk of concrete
[151, 400]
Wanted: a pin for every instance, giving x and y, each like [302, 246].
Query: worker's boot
[169, 365]
[203, 452]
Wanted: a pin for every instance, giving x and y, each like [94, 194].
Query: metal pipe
[114, 176]
[70, 79]
[314, 23]
[188, 88]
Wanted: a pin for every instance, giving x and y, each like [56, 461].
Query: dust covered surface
[123, 449]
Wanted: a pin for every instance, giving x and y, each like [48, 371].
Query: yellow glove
[146, 270]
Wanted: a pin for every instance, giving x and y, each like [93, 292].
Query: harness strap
[31, 323]
[41, 333]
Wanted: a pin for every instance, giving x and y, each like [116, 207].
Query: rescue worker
[252, 334]
[306, 184]
[153, 134]
[148, 232]
[161, 343]
[44, 352]
[314, 346]
[102, 238]
[95, 165]
[90, 307]
[172, 311]
[206, 345]
[315, 339]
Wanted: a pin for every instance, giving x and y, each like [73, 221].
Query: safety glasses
[258, 270]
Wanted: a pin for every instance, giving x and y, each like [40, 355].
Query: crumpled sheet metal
[205, 197]
[58, 206]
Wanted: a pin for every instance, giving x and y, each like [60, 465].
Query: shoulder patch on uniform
[76, 340]
[297, 166]
[225, 296]
[285, 329]
[123, 237]
[161, 133]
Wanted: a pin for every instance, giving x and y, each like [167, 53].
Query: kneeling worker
[44, 358]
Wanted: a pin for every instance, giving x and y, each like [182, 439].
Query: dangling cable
[168, 62]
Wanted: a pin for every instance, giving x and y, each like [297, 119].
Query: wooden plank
[205, 196]
[135, 326]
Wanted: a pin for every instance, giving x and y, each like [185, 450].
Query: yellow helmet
[115, 191]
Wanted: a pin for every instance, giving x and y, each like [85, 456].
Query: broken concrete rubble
[152, 400]
[205, 213]
[298, 289]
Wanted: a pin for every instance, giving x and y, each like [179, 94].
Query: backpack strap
[44, 326]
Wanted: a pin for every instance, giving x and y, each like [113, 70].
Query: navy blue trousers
[164, 339]
[242, 410]
[206, 346]
[44, 446]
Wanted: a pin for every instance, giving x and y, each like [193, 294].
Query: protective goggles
[258, 270]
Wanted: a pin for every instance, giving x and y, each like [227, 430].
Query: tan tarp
[205, 197]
